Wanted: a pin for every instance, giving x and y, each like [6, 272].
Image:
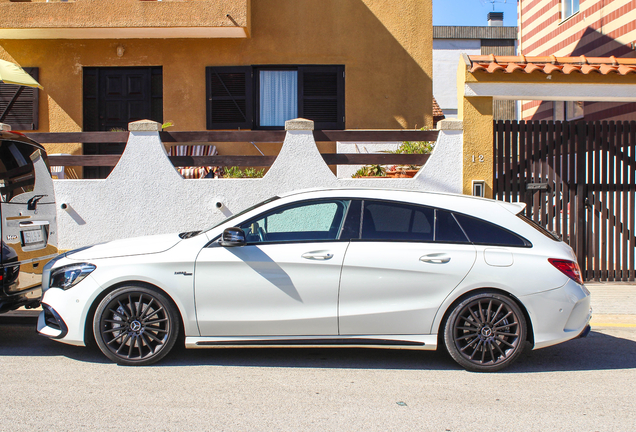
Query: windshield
[267, 201]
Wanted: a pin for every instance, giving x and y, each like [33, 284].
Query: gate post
[581, 194]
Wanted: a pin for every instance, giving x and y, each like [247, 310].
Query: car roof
[395, 194]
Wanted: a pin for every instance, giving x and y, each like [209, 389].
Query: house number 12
[479, 158]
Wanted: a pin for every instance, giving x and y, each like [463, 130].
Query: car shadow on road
[598, 351]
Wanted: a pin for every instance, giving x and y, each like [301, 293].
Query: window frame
[569, 8]
[257, 94]
[252, 92]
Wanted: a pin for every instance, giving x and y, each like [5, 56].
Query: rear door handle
[435, 258]
[319, 255]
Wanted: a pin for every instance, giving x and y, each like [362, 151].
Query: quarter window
[485, 233]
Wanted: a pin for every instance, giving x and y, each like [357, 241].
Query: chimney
[495, 19]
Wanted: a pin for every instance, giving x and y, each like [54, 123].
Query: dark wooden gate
[577, 179]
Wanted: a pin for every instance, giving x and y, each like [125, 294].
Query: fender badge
[183, 273]
[12, 237]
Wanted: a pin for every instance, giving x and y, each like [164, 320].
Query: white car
[345, 267]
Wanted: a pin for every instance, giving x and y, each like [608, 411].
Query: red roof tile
[551, 64]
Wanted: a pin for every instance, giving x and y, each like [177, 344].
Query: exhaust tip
[585, 331]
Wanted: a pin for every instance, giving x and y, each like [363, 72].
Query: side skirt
[415, 342]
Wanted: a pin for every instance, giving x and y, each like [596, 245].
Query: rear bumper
[559, 315]
[28, 298]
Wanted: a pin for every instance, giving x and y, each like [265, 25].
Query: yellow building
[222, 64]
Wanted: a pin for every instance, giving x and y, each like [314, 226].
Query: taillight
[569, 268]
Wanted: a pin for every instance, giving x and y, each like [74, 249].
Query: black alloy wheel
[135, 325]
[486, 332]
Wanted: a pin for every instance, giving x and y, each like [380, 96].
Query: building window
[574, 110]
[278, 97]
[264, 97]
[19, 105]
[568, 110]
[570, 7]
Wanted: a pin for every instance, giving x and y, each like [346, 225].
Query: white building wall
[145, 194]
[446, 54]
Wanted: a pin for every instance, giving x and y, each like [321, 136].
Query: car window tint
[351, 227]
[393, 221]
[486, 233]
[17, 175]
[447, 229]
[302, 222]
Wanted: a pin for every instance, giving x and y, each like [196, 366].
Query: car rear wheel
[135, 325]
[486, 332]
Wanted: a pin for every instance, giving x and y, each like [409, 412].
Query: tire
[485, 332]
[135, 326]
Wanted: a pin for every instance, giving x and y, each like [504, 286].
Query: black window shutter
[321, 95]
[23, 112]
[229, 97]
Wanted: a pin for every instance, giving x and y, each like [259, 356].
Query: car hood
[128, 247]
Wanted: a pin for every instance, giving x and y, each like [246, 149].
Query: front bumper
[558, 315]
[64, 313]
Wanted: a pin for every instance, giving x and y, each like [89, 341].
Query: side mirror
[232, 237]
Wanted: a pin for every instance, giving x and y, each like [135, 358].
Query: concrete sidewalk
[613, 304]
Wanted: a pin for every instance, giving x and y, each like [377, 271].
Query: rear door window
[17, 175]
[447, 230]
[395, 221]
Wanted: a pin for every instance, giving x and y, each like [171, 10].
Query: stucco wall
[145, 195]
[446, 53]
[385, 47]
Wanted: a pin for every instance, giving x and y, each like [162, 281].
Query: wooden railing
[181, 138]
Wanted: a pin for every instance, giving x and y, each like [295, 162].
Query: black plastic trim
[322, 342]
[60, 322]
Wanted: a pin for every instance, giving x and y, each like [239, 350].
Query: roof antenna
[483, 3]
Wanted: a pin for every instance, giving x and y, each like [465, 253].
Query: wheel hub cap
[486, 332]
[135, 326]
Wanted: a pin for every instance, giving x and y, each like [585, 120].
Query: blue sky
[472, 12]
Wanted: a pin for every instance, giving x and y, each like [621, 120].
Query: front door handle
[435, 258]
[318, 255]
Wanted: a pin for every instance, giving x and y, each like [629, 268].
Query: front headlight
[68, 276]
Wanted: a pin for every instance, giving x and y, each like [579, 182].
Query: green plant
[370, 171]
[412, 147]
[236, 172]
[167, 124]
[415, 147]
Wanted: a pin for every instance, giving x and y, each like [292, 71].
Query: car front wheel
[135, 325]
[486, 332]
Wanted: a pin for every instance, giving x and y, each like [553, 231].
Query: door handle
[320, 255]
[436, 258]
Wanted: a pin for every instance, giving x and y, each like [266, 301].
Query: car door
[284, 281]
[408, 259]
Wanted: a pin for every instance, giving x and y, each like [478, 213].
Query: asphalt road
[582, 385]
